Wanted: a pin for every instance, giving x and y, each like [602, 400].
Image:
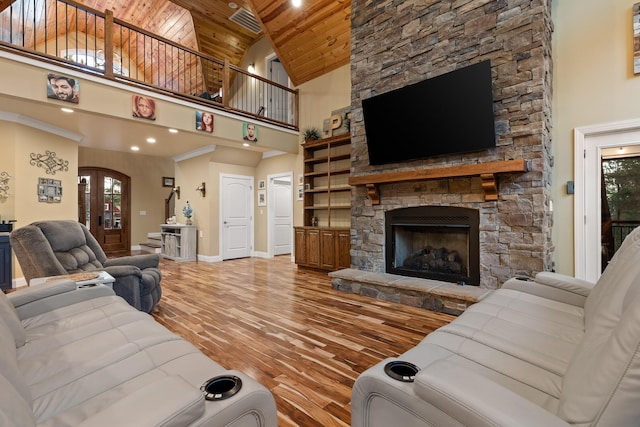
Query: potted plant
[311, 134]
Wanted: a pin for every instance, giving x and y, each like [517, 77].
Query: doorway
[106, 207]
[280, 213]
[279, 102]
[236, 216]
[595, 148]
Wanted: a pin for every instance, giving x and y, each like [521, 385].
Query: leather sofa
[552, 351]
[72, 356]
[60, 247]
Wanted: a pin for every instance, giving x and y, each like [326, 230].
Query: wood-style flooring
[286, 328]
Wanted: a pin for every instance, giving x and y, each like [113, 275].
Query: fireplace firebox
[434, 242]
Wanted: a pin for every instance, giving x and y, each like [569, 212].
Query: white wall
[593, 83]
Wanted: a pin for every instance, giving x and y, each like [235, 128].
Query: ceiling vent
[245, 19]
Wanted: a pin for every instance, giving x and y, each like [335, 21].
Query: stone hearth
[430, 294]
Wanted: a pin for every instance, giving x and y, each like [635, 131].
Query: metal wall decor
[4, 186]
[49, 162]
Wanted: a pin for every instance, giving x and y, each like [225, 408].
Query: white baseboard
[205, 258]
[260, 255]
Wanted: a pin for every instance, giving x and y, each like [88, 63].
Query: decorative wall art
[4, 186]
[262, 197]
[143, 107]
[204, 121]
[250, 132]
[300, 193]
[636, 38]
[168, 181]
[49, 190]
[63, 88]
[49, 162]
[261, 185]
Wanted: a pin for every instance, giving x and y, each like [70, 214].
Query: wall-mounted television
[447, 114]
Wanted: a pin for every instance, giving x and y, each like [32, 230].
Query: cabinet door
[328, 249]
[344, 247]
[301, 246]
[313, 247]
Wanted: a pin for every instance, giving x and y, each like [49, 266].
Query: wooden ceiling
[309, 41]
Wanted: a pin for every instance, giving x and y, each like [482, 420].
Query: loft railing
[95, 42]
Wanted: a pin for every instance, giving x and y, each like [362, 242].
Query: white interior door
[236, 216]
[278, 101]
[588, 144]
[280, 213]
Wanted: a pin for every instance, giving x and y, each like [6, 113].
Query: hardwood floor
[288, 329]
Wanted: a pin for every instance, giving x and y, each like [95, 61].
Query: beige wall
[18, 142]
[593, 83]
[147, 192]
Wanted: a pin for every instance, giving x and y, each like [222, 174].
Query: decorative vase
[189, 221]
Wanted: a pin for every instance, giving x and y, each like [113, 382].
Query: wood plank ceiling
[309, 41]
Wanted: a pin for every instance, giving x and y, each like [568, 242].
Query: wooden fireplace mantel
[486, 171]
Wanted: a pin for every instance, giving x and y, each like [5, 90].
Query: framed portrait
[204, 121]
[262, 197]
[63, 88]
[143, 107]
[261, 185]
[636, 38]
[168, 181]
[250, 132]
[300, 192]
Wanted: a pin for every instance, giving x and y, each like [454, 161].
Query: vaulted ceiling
[309, 41]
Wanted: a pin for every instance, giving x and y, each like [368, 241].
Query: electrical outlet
[143, 213]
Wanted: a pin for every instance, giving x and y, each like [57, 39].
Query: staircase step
[151, 247]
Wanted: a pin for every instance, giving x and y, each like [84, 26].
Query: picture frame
[300, 179]
[262, 197]
[300, 193]
[143, 107]
[261, 185]
[168, 181]
[49, 190]
[250, 132]
[63, 88]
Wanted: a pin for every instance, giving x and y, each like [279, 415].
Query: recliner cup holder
[401, 371]
[221, 387]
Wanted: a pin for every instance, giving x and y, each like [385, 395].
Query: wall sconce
[177, 191]
[202, 188]
[251, 69]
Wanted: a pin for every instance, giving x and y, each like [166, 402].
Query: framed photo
[300, 192]
[262, 197]
[63, 88]
[204, 121]
[49, 190]
[261, 185]
[250, 132]
[143, 107]
[168, 181]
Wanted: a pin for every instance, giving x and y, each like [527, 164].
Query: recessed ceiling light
[135, 148]
[233, 5]
[151, 140]
[173, 130]
[67, 110]
[245, 144]
[296, 3]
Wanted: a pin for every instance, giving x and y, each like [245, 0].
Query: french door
[107, 206]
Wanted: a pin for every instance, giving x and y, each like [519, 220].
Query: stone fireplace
[398, 43]
[433, 242]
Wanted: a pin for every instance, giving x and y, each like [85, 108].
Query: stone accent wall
[395, 43]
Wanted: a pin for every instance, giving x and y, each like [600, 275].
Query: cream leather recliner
[555, 351]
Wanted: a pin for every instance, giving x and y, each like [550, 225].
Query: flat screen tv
[447, 114]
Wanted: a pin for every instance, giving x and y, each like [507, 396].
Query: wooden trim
[486, 171]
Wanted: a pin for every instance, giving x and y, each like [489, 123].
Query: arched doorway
[107, 207]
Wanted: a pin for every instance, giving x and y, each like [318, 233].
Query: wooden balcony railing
[95, 42]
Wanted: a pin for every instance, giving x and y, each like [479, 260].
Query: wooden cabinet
[324, 240]
[327, 193]
[178, 242]
[323, 248]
